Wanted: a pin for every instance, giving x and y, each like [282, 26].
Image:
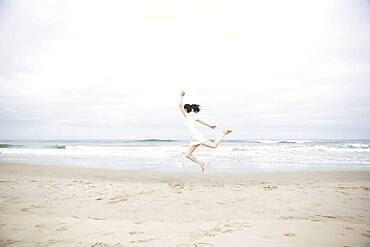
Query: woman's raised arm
[181, 104]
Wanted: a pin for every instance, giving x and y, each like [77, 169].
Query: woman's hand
[213, 126]
[182, 93]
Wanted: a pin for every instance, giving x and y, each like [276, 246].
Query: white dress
[196, 136]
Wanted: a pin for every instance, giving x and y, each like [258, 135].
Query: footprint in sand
[96, 218]
[176, 184]
[218, 185]
[7, 242]
[202, 244]
[326, 216]
[289, 234]
[268, 187]
[230, 227]
[367, 234]
[197, 244]
[31, 207]
[344, 193]
[53, 241]
[135, 232]
[365, 188]
[118, 199]
[144, 192]
[40, 226]
[61, 229]
[99, 244]
[349, 228]
[143, 240]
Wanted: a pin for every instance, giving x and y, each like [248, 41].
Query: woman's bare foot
[202, 165]
[226, 132]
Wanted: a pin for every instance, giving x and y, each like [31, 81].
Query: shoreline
[64, 171]
[74, 206]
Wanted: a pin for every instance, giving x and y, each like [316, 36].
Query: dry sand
[69, 206]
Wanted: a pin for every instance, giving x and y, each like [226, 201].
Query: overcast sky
[115, 69]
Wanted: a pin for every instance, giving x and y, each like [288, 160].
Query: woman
[197, 138]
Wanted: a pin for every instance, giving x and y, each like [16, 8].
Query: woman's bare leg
[190, 156]
[217, 141]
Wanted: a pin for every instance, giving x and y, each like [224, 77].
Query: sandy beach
[68, 206]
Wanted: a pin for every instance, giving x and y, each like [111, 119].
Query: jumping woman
[197, 138]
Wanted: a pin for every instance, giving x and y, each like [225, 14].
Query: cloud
[114, 70]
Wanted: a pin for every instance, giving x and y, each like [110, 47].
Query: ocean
[153, 154]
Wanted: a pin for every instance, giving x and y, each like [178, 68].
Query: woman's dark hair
[193, 107]
[187, 108]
